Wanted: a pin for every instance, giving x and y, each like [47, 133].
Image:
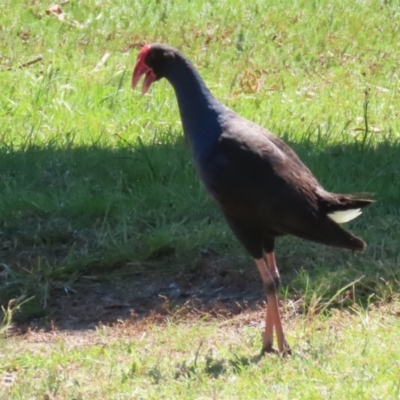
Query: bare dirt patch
[211, 291]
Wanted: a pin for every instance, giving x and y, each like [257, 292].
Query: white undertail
[340, 217]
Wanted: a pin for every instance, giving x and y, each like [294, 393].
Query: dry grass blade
[338, 293]
[35, 60]
[101, 63]
[12, 306]
[57, 11]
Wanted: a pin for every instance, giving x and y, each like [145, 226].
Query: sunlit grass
[349, 355]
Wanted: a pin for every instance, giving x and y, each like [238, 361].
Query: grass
[350, 355]
[95, 179]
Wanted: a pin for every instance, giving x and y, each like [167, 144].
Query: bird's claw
[267, 348]
[271, 350]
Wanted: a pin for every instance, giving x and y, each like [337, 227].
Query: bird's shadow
[216, 367]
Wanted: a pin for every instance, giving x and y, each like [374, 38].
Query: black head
[153, 61]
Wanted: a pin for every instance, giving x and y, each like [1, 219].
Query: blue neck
[200, 111]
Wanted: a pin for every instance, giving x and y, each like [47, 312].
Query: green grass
[95, 179]
[350, 355]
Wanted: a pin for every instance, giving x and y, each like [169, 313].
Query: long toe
[287, 351]
[267, 348]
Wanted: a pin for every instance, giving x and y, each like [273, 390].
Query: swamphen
[262, 187]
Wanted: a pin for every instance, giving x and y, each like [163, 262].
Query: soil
[211, 290]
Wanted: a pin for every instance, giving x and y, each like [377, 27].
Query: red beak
[142, 69]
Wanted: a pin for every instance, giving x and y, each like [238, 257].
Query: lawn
[348, 356]
[98, 197]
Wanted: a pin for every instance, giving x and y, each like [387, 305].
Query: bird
[261, 186]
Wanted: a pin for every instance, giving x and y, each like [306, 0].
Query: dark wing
[257, 179]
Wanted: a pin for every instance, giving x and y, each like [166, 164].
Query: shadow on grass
[99, 234]
[208, 366]
[215, 367]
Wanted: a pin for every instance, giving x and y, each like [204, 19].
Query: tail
[342, 208]
[340, 217]
[334, 209]
[351, 242]
[328, 232]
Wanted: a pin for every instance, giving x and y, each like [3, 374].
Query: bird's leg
[267, 279]
[273, 270]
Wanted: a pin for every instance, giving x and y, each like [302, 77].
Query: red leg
[273, 270]
[268, 338]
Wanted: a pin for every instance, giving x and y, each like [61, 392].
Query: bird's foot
[287, 351]
[267, 348]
